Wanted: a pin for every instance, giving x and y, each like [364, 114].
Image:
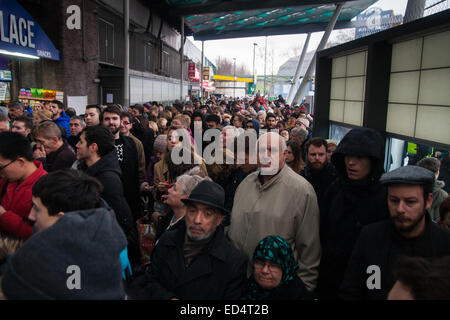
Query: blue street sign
[20, 33]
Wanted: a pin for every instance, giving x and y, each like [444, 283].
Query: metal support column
[181, 59]
[265, 62]
[234, 83]
[296, 79]
[201, 70]
[414, 10]
[126, 66]
[312, 66]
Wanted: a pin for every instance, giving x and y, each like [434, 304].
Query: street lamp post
[254, 80]
[234, 94]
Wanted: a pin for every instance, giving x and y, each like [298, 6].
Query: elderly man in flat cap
[195, 261]
[408, 232]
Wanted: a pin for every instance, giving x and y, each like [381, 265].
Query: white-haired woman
[261, 117]
[181, 189]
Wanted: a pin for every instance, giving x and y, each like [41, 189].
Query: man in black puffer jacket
[353, 200]
[97, 157]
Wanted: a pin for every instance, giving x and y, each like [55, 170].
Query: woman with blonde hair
[162, 125]
[41, 115]
[154, 126]
[165, 171]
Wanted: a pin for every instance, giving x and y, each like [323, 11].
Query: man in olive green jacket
[277, 201]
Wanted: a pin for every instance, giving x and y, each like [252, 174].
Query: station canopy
[223, 19]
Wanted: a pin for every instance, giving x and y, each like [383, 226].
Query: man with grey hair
[299, 135]
[51, 149]
[275, 200]
[76, 125]
[16, 109]
[179, 190]
[434, 165]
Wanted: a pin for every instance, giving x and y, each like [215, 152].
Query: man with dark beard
[318, 171]
[128, 158]
[408, 232]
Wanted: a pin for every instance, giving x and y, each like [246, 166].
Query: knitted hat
[76, 258]
[303, 121]
[160, 144]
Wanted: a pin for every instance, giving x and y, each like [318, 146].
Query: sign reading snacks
[5, 75]
[20, 35]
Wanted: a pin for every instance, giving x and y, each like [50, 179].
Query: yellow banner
[228, 78]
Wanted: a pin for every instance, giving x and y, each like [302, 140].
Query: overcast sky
[281, 46]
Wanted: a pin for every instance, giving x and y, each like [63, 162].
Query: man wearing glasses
[18, 174]
[126, 124]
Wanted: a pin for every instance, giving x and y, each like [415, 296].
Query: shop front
[23, 43]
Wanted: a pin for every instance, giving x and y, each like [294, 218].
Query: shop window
[106, 42]
[401, 152]
[338, 132]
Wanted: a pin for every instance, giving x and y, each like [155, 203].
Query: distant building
[287, 71]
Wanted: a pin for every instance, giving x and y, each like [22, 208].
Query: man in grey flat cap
[408, 232]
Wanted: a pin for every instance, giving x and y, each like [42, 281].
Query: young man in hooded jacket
[353, 200]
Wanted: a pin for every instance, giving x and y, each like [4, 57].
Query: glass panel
[338, 132]
[433, 124]
[353, 113]
[356, 64]
[436, 50]
[403, 87]
[435, 87]
[147, 90]
[337, 110]
[401, 119]
[339, 67]
[402, 153]
[157, 90]
[397, 154]
[338, 89]
[354, 89]
[406, 55]
[135, 90]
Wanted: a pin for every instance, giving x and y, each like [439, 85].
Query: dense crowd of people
[245, 205]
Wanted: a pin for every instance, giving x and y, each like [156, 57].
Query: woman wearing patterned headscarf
[274, 273]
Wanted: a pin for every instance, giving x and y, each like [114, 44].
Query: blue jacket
[63, 121]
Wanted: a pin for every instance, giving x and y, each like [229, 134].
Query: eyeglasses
[273, 267]
[126, 123]
[3, 167]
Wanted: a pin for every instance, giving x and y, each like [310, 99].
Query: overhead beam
[228, 78]
[229, 6]
[312, 65]
[274, 31]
